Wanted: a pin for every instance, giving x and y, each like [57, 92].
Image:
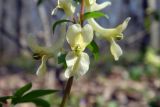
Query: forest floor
[98, 90]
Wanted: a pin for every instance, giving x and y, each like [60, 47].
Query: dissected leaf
[93, 47]
[59, 22]
[22, 90]
[94, 14]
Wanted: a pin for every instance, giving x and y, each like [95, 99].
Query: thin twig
[67, 91]
[82, 12]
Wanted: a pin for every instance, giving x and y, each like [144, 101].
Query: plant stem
[82, 12]
[67, 91]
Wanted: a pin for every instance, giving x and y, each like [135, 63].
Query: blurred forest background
[133, 81]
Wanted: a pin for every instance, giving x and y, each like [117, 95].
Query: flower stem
[82, 12]
[67, 91]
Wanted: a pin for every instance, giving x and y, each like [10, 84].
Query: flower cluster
[79, 36]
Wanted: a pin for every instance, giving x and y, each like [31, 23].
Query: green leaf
[4, 99]
[39, 2]
[93, 47]
[94, 14]
[59, 22]
[62, 60]
[37, 101]
[0, 105]
[40, 102]
[22, 90]
[37, 93]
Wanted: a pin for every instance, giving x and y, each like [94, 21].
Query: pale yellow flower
[78, 37]
[111, 35]
[42, 68]
[66, 5]
[91, 5]
[43, 53]
[77, 65]
[77, 60]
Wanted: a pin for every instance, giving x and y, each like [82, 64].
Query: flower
[42, 68]
[78, 37]
[66, 5]
[78, 61]
[43, 53]
[91, 5]
[111, 35]
[40, 53]
[77, 65]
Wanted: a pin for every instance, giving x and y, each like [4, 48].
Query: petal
[49, 51]
[79, 37]
[87, 33]
[76, 65]
[59, 42]
[36, 48]
[54, 11]
[67, 6]
[124, 25]
[32, 43]
[98, 7]
[111, 32]
[72, 33]
[83, 64]
[71, 59]
[42, 68]
[67, 73]
[96, 26]
[115, 50]
[70, 9]
[89, 2]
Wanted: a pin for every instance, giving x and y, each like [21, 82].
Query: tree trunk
[154, 26]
